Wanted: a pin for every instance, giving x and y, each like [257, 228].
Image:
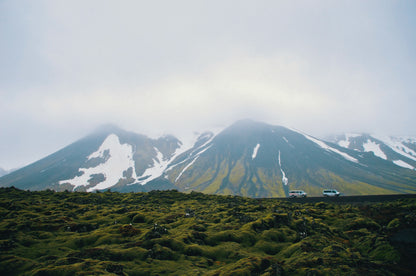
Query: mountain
[260, 160]
[108, 158]
[399, 150]
[3, 172]
[248, 158]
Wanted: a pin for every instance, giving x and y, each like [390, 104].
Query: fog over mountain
[247, 158]
[167, 67]
[2, 172]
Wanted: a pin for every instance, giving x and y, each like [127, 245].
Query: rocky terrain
[168, 232]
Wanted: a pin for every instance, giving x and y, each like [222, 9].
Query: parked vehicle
[297, 193]
[330, 192]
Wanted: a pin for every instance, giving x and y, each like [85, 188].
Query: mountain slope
[3, 172]
[398, 150]
[259, 160]
[248, 158]
[110, 157]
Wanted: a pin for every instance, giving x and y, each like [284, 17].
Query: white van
[297, 193]
[330, 192]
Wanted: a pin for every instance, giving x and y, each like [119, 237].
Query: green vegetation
[168, 232]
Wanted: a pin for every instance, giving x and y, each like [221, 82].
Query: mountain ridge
[248, 158]
[3, 172]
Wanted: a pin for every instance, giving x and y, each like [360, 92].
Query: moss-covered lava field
[172, 233]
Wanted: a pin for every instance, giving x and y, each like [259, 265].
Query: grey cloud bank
[172, 66]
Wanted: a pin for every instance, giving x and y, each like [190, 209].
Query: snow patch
[328, 148]
[285, 180]
[403, 164]
[371, 146]
[193, 161]
[397, 145]
[194, 155]
[159, 166]
[256, 148]
[346, 143]
[186, 167]
[193, 152]
[120, 159]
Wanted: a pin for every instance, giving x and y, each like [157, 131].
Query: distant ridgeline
[248, 158]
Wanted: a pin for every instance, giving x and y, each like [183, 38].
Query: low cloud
[321, 67]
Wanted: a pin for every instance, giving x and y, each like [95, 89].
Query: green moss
[393, 224]
[385, 253]
[293, 249]
[360, 223]
[270, 248]
[158, 233]
[138, 218]
[251, 266]
[15, 265]
[193, 250]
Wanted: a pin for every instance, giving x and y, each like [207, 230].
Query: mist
[323, 67]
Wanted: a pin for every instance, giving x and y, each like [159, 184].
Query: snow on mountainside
[117, 159]
[398, 150]
[194, 153]
[258, 160]
[371, 146]
[285, 180]
[161, 163]
[247, 158]
[255, 150]
[328, 148]
[400, 145]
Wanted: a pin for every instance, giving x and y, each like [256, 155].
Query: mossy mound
[155, 233]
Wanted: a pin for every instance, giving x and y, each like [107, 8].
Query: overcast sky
[157, 67]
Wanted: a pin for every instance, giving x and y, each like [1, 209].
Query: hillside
[248, 158]
[399, 150]
[3, 172]
[63, 233]
[260, 160]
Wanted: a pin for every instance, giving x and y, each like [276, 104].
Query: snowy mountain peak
[115, 160]
[400, 151]
[403, 146]
[248, 158]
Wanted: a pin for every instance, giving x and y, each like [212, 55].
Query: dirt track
[352, 199]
